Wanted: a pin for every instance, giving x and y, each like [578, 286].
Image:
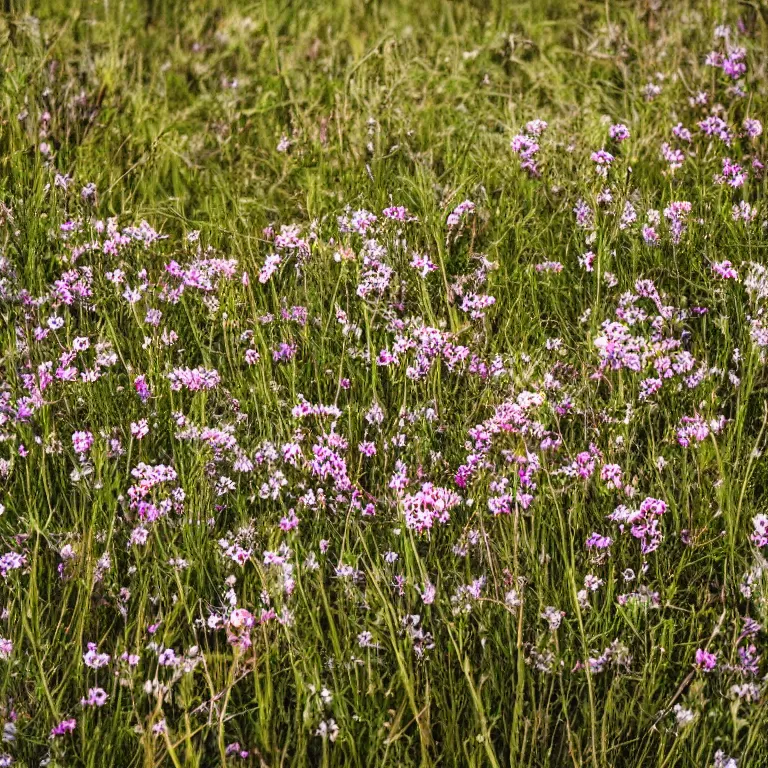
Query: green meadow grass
[175, 111]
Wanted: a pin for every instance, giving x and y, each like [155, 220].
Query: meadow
[383, 383]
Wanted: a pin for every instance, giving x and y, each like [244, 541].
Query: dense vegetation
[383, 383]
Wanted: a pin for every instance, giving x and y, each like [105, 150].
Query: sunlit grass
[365, 640]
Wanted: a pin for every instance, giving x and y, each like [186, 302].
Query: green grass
[175, 112]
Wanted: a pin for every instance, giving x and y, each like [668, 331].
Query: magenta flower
[82, 442]
[6, 648]
[97, 697]
[64, 727]
[725, 270]
[429, 505]
[705, 660]
[602, 160]
[619, 132]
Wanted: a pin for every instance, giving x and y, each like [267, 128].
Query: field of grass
[383, 383]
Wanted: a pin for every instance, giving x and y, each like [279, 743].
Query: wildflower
[628, 216]
[598, 541]
[677, 213]
[733, 174]
[142, 390]
[88, 192]
[683, 716]
[428, 594]
[619, 132]
[271, 264]
[682, 133]
[651, 91]
[64, 727]
[553, 617]
[397, 213]
[97, 697]
[549, 266]
[82, 442]
[527, 148]
[11, 561]
[536, 127]
[592, 583]
[743, 212]
[716, 127]
[587, 261]
[422, 264]
[466, 208]
[760, 534]
[328, 730]
[724, 761]
[93, 659]
[650, 236]
[602, 160]
[365, 640]
[673, 157]
[753, 127]
[725, 270]
[193, 379]
[610, 474]
[429, 505]
[139, 429]
[584, 215]
[705, 660]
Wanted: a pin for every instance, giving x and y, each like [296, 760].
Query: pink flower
[139, 429]
[428, 595]
[705, 661]
[398, 213]
[619, 132]
[587, 260]
[465, 208]
[760, 534]
[725, 270]
[64, 727]
[82, 442]
[429, 505]
[193, 379]
[142, 390]
[97, 697]
[753, 128]
[602, 161]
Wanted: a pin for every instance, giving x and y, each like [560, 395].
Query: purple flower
[6, 648]
[725, 270]
[82, 442]
[11, 561]
[97, 697]
[619, 132]
[705, 660]
[64, 727]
